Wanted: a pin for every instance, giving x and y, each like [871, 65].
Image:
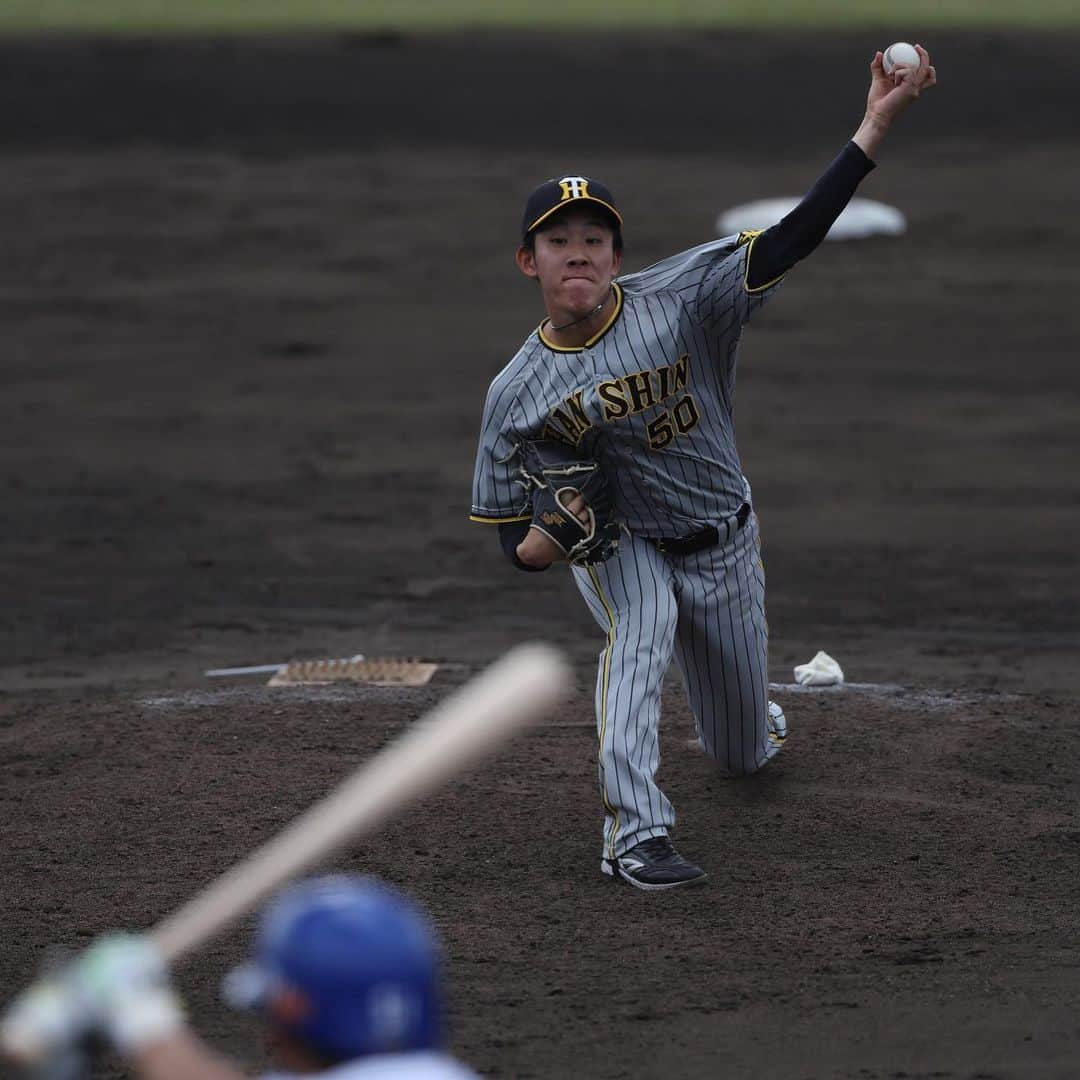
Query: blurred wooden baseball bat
[458, 733]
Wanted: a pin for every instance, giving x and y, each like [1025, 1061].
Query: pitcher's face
[575, 261]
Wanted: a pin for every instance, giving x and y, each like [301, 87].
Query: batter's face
[575, 261]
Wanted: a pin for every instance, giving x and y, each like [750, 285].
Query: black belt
[699, 541]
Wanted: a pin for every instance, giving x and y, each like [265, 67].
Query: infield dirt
[253, 294]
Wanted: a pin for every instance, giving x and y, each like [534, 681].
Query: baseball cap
[560, 192]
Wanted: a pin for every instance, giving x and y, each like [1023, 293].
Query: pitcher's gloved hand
[554, 475]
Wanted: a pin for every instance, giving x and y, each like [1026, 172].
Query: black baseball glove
[553, 474]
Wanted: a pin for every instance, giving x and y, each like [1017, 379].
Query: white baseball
[900, 55]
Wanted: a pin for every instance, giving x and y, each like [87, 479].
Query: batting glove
[123, 983]
[44, 1022]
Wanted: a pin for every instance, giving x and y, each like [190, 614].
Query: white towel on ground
[823, 670]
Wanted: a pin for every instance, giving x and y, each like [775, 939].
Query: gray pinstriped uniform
[650, 398]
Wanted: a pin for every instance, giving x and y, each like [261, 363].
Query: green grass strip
[195, 16]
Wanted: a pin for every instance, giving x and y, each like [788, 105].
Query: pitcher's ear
[526, 261]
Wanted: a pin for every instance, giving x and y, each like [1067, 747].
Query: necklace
[587, 315]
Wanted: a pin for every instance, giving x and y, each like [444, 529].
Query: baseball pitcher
[608, 442]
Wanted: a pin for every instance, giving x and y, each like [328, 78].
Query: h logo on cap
[574, 187]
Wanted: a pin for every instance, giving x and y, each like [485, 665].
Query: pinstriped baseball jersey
[649, 397]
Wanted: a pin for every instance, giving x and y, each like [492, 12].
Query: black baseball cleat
[654, 864]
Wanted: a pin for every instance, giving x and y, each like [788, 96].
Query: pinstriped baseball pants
[708, 611]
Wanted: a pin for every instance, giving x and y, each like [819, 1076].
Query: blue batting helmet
[347, 965]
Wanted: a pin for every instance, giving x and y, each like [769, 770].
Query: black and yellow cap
[561, 192]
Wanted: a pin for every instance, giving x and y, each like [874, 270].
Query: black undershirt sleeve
[510, 535]
[780, 247]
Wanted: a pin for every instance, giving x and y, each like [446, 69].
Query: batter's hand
[123, 981]
[118, 987]
[891, 94]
